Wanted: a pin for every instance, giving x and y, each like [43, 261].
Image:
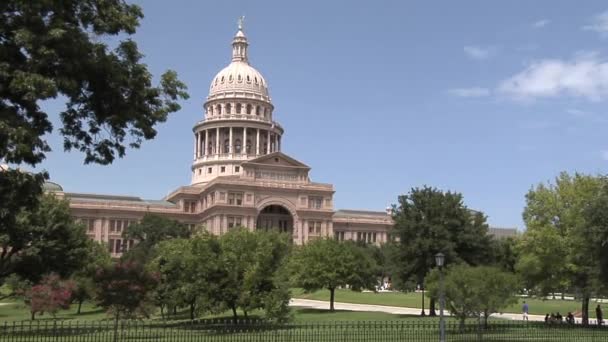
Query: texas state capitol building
[240, 177]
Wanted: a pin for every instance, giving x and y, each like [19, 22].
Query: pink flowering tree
[50, 295]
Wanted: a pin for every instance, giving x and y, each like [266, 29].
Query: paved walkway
[397, 310]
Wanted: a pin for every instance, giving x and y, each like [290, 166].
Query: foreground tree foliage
[329, 264]
[43, 240]
[151, 230]
[475, 291]
[564, 243]
[429, 221]
[51, 49]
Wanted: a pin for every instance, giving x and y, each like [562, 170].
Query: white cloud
[599, 23]
[469, 92]
[576, 112]
[605, 154]
[541, 23]
[478, 52]
[584, 76]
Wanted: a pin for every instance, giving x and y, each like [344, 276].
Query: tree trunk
[462, 323]
[585, 308]
[192, 307]
[175, 310]
[33, 315]
[553, 295]
[422, 313]
[245, 314]
[79, 306]
[485, 319]
[563, 295]
[432, 312]
[162, 311]
[234, 315]
[331, 298]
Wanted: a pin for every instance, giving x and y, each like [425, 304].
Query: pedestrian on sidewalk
[525, 311]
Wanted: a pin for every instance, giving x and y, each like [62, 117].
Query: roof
[117, 198]
[503, 232]
[51, 186]
[350, 213]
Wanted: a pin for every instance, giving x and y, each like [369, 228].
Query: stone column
[257, 142]
[230, 150]
[205, 151]
[195, 143]
[268, 143]
[217, 140]
[244, 143]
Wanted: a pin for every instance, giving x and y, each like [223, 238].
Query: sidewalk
[397, 310]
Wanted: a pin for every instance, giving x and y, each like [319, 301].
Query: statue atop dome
[240, 22]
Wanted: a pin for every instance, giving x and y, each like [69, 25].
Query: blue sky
[486, 98]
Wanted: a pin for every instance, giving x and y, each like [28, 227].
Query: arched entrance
[275, 217]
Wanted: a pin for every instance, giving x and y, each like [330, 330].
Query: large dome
[239, 79]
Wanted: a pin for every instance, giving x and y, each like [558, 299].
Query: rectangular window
[111, 245]
[374, 237]
[249, 197]
[315, 202]
[234, 221]
[222, 196]
[359, 236]
[237, 169]
[303, 200]
[112, 226]
[90, 225]
[192, 207]
[235, 198]
[314, 227]
[222, 169]
[209, 170]
[118, 246]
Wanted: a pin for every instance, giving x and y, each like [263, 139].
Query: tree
[505, 253]
[191, 274]
[475, 291]
[124, 289]
[58, 48]
[429, 221]
[254, 262]
[329, 264]
[83, 279]
[148, 232]
[43, 240]
[562, 241]
[49, 296]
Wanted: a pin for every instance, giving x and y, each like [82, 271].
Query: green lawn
[413, 300]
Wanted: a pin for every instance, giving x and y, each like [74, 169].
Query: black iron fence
[248, 331]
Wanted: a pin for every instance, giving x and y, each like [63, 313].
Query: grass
[414, 300]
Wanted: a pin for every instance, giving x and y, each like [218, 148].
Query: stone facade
[240, 177]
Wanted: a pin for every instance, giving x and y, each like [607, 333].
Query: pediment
[277, 159]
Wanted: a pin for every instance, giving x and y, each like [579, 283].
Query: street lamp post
[440, 259]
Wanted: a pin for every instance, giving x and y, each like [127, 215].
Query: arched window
[249, 107]
[230, 78]
[240, 78]
[226, 146]
[237, 146]
[228, 108]
[210, 109]
[248, 150]
[265, 112]
[210, 148]
[256, 80]
[222, 79]
[238, 108]
[218, 109]
[257, 110]
[248, 79]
